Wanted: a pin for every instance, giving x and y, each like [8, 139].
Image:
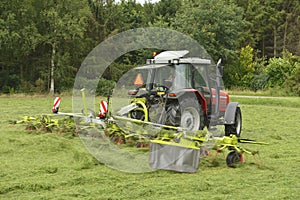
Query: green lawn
[52, 166]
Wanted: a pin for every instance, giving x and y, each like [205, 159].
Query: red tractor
[175, 90]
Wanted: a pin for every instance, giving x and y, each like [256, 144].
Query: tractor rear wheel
[192, 116]
[187, 114]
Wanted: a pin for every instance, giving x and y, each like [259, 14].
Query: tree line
[43, 42]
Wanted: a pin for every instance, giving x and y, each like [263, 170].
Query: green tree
[37, 37]
[272, 26]
[241, 71]
[246, 67]
[165, 10]
[64, 22]
[18, 38]
[214, 24]
[292, 83]
[280, 69]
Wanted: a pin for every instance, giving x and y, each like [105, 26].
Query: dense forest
[43, 42]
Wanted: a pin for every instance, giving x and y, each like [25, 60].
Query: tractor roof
[150, 66]
[169, 55]
[176, 57]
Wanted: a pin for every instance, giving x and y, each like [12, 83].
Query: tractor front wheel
[137, 114]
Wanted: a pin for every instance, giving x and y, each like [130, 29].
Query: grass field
[52, 166]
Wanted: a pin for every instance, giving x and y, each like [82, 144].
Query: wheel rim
[190, 119]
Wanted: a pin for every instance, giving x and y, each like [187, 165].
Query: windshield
[151, 76]
[183, 76]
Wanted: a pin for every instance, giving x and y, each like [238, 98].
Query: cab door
[200, 83]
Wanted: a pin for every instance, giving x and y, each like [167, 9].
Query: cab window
[200, 79]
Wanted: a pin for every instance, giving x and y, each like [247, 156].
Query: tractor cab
[168, 75]
[180, 91]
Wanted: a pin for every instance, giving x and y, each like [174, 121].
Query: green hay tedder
[175, 107]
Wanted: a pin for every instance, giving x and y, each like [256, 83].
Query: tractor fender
[229, 117]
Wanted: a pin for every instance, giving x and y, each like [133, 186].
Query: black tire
[172, 115]
[137, 114]
[188, 114]
[236, 128]
[233, 158]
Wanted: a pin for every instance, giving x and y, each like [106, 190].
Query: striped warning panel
[103, 109]
[56, 105]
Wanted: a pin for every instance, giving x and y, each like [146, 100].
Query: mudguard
[229, 117]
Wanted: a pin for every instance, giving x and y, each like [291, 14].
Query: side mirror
[219, 62]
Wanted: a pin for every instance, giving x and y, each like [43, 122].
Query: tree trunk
[52, 69]
[21, 72]
[285, 34]
[263, 47]
[275, 41]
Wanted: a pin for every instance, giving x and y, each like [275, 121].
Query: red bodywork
[224, 100]
[204, 100]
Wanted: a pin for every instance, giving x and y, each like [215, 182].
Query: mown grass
[52, 166]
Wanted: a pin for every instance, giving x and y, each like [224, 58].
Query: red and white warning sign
[56, 105]
[103, 109]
